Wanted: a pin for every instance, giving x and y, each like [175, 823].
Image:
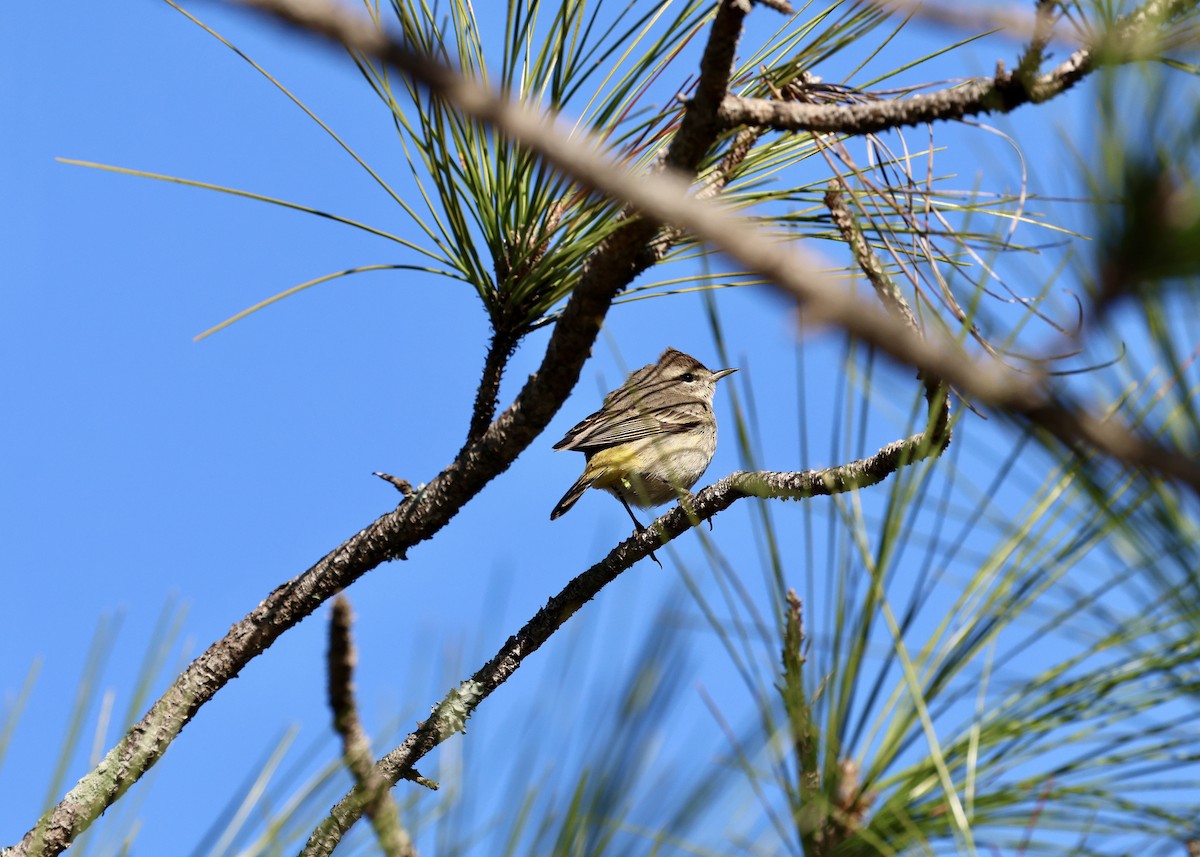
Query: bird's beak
[721, 373]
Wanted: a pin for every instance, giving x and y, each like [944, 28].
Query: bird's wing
[602, 430]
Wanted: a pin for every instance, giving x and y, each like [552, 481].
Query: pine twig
[376, 798]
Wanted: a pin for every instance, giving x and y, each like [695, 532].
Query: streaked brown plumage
[652, 439]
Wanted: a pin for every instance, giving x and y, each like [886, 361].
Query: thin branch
[505, 334]
[356, 748]
[401, 485]
[1043, 29]
[937, 394]
[660, 198]
[806, 737]
[450, 715]
[885, 288]
[500, 349]
[1002, 93]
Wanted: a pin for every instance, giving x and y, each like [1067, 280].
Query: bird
[653, 437]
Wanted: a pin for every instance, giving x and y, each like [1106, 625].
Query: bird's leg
[636, 523]
[632, 517]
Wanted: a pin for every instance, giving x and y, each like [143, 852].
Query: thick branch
[609, 269]
[664, 197]
[660, 198]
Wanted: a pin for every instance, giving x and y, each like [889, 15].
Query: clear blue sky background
[141, 468]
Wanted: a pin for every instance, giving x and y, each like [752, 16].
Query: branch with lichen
[450, 715]
[1134, 37]
[653, 200]
[606, 272]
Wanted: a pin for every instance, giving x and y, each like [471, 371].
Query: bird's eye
[688, 377]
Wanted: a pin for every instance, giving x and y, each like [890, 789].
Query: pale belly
[654, 471]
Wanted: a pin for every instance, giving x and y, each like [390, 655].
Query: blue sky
[142, 468]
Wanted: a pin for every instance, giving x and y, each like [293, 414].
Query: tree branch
[608, 270]
[668, 237]
[500, 349]
[356, 748]
[450, 715]
[664, 197]
[1003, 93]
[807, 810]
[1043, 28]
[659, 198]
[937, 394]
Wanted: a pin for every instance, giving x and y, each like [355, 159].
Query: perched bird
[652, 439]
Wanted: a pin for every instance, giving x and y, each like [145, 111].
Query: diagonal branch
[500, 349]
[743, 143]
[659, 198]
[609, 269]
[450, 715]
[937, 394]
[664, 197]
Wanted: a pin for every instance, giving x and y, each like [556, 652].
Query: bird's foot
[688, 501]
[641, 531]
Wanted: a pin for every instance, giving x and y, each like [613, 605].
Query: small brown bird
[652, 439]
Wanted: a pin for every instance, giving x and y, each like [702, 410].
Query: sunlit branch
[659, 198]
[449, 716]
[936, 394]
[665, 198]
[608, 270]
[1133, 37]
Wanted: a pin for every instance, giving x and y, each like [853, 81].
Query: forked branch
[607, 271]
[660, 198]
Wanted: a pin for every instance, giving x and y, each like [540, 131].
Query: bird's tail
[573, 494]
